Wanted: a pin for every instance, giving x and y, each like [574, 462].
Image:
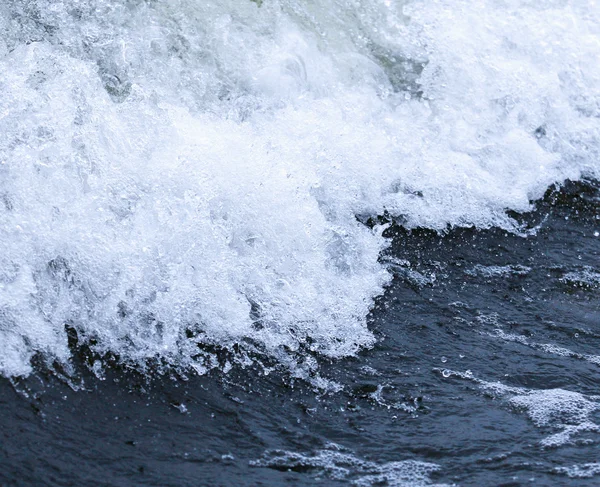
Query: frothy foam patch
[587, 278]
[337, 464]
[558, 409]
[587, 470]
[180, 175]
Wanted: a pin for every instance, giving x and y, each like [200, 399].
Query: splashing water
[175, 175]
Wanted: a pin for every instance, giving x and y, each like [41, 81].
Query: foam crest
[182, 175]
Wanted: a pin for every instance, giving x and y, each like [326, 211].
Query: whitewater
[179, 176]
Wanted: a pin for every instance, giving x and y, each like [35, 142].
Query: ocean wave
[176, 176]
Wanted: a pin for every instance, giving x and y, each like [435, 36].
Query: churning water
[228, 187]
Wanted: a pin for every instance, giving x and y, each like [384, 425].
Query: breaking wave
[178, 176]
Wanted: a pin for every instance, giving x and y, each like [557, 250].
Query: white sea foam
[557, 408]
[586, 470]
[182, 173]
[339, 464]
[586, 278]
[567, 413]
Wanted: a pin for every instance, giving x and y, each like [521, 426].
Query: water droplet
[444, 360]
[446, 373]
[576, 335]
[596, 233]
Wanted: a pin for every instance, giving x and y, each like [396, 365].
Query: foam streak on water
[339, 465]
[175, 173]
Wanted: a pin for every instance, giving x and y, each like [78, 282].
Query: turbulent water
[183, 173]
[226, 187]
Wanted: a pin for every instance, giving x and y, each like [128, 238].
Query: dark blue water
[487, 346]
